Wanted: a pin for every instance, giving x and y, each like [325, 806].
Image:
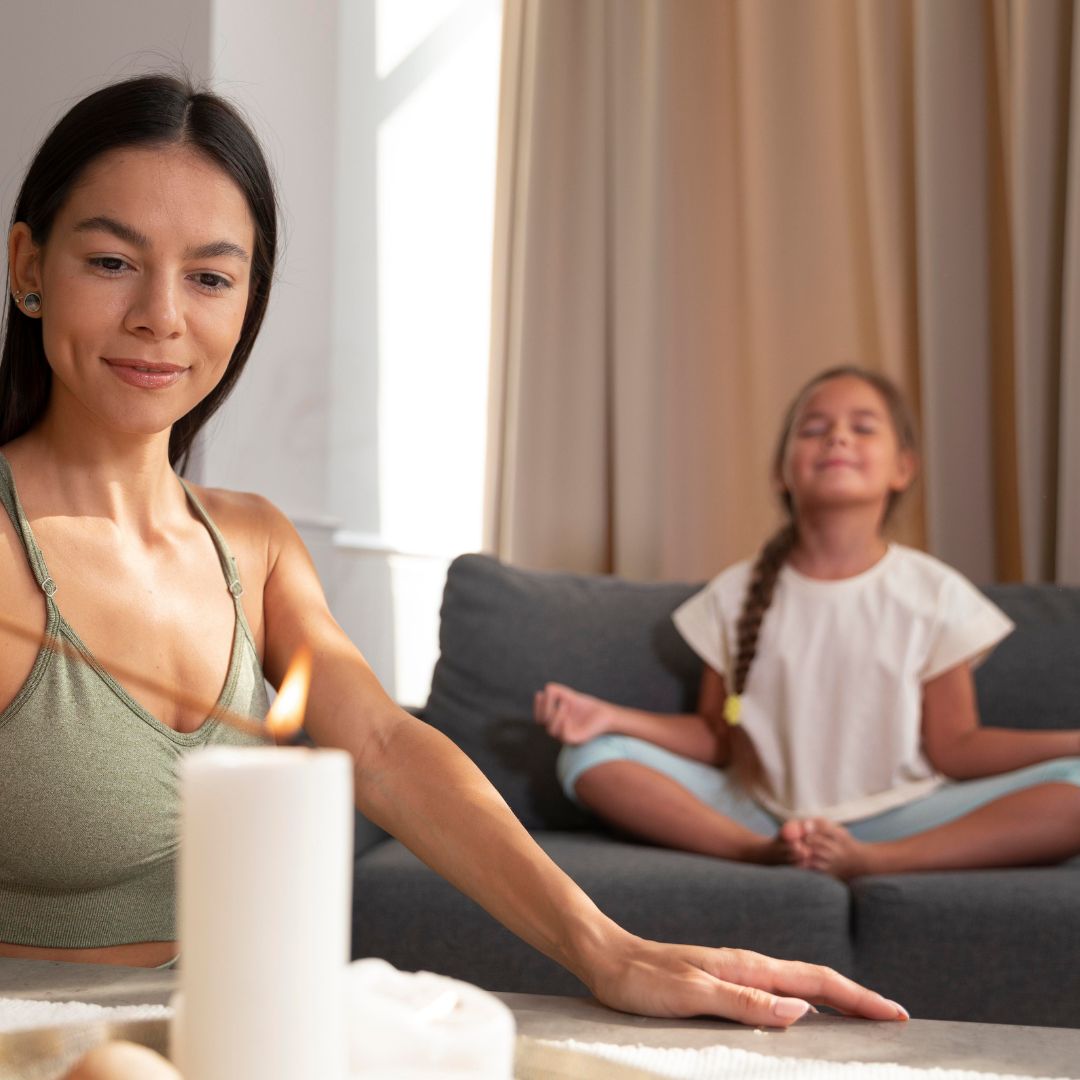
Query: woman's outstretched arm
[417, 785]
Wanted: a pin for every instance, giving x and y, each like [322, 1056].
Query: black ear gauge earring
[30, 301]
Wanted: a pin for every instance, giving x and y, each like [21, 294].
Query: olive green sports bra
[88, 781]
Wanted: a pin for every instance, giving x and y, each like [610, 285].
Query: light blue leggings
[713, 786]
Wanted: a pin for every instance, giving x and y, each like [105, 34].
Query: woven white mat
[17, 1014]
[722, 1062]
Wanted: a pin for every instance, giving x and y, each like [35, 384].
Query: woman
[140, 264]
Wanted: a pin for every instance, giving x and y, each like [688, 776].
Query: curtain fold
[700, 204]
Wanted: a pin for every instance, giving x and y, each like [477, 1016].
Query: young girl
[837, 687]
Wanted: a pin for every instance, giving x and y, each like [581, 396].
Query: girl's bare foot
[793, 836]
[786, 848]
[833, 850]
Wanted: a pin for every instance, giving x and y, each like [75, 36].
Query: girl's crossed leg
[675, 801]
[1023, 818]
[1027, 817]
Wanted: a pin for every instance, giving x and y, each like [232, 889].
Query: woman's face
[144, 281]
[843, 448]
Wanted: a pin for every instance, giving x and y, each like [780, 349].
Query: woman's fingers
[809, 982]
[750, 1005]
[675, 980]
[680, 980]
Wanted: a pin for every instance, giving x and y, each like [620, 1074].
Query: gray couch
[987, 945]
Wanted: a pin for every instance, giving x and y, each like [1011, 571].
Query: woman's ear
[24, 260]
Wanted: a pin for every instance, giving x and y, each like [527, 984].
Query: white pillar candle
[264, 913]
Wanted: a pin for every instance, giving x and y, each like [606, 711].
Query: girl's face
[843, 449]
[144, 283]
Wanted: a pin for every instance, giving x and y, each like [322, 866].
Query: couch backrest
[504, 632]
[1032, 679]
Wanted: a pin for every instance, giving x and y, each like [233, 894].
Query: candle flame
[286, 715]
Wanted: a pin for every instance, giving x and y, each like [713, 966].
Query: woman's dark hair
[773, 554]
[146, 111]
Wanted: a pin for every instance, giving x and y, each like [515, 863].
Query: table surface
[992, 1048]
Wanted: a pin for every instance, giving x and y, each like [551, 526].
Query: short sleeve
[967, 627]
[700, 621]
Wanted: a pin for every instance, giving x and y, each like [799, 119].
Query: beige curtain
[701, 203]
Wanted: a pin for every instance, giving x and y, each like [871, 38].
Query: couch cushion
[995, 946]
[403, 911]
[504, 632]
[1032, 679]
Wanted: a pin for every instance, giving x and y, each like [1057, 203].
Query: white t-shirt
[833, 701]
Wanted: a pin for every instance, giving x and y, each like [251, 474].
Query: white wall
[346, 415]
[276, 59]
[53, 52]
[418, 97]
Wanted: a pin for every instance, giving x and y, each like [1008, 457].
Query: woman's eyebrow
[131, 235]
[103, 223]
[218, 248]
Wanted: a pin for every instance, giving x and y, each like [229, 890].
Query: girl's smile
[843, 450]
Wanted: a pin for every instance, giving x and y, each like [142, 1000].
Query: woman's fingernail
[900, 1010]
[790, 1008]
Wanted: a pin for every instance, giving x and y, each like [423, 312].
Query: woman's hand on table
[653, 979]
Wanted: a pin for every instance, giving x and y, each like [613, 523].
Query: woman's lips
[148, 376]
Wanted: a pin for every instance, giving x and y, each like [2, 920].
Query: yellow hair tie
[733, 709]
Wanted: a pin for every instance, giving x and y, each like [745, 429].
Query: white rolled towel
[418, 1025]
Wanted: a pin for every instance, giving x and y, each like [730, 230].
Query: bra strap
[228, 563]
[10, 498]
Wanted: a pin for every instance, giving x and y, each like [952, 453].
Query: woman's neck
[86, 472]
[838, 543]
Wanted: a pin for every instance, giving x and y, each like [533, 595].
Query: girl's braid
[759, 594]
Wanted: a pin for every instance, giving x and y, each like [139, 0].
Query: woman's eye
[111, 264]
[212, 282]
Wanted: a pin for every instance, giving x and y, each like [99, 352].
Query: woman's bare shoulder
[244, 511]
[252, 525]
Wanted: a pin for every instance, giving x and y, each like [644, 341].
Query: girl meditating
[139, 612]
[837, 726]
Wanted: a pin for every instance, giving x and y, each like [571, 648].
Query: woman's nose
[157, 309]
